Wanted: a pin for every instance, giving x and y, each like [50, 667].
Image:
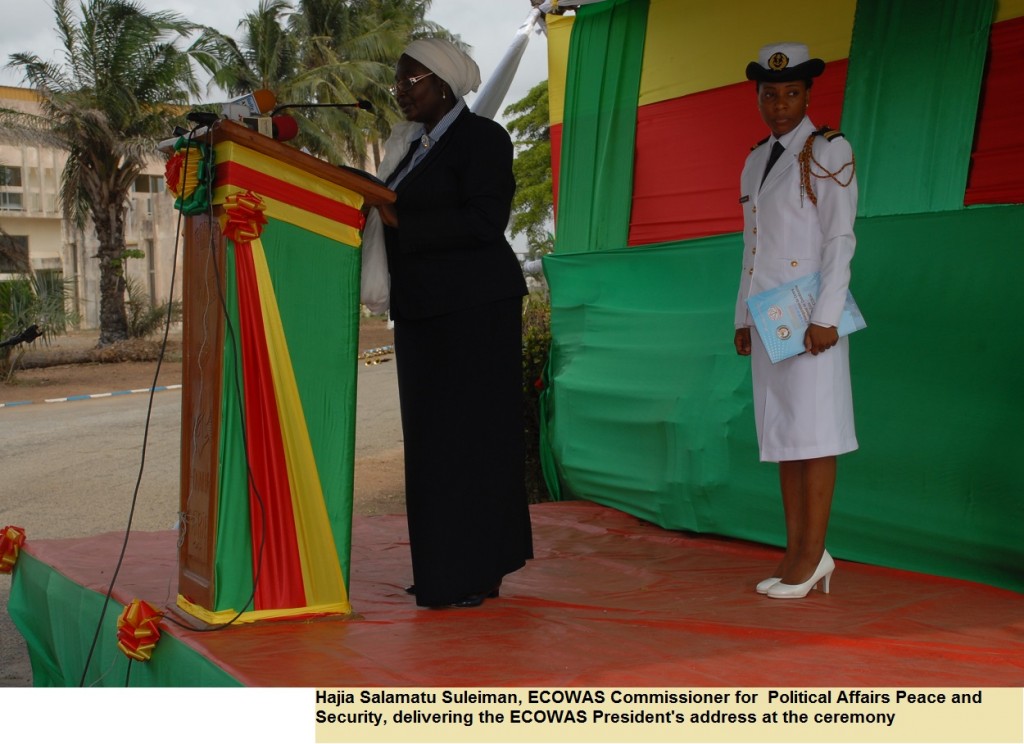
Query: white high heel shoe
[763, 586]
[823, 573]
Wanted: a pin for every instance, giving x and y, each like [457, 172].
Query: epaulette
[828, 134]
[754, 147]
[806, 157]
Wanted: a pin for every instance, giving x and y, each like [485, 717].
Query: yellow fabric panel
[694, 45]
[233, 152]
[1007, 9]
[336, 231]
[220, 617]
[559, 31]
[321, 572]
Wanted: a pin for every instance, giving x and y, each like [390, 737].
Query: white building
[30, 213]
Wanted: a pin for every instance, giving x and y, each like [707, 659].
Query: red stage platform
[609, 600]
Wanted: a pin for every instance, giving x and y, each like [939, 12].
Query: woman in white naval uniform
[797, 219]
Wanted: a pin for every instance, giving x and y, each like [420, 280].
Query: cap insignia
[778, 61]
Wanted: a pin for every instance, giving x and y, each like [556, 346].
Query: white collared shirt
[427, 141]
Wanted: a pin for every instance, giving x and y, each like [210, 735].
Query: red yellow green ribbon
[11, 540]
[187, 173]
[242, 220]
[138, 630]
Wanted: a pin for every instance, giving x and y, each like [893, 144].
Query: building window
[10, 188]
[146, 184]
[10, 176]
[13, 253]
[10, 200]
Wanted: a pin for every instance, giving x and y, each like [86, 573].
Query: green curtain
[651, 412]
[605, 57]
[322, 338]
[912, 100]
[58, 619]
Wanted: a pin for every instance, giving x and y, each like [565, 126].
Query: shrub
[536, 345]
[145, 318]
[35, 298]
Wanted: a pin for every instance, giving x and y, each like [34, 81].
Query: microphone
[359, 104]
[265, 100]
[284, 127]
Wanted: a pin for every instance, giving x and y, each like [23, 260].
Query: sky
[487, 25]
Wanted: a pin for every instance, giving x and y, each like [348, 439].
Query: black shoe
[411, 589]
[470, 600]
[473, 600]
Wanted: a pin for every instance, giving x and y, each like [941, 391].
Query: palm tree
[344, 58]
[378, 32]
[348, 53]
[264, 58]
[106, 105]
[325, 52]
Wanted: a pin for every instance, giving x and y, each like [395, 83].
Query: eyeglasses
[405, 84]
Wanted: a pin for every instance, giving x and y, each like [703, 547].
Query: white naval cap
[784, 61]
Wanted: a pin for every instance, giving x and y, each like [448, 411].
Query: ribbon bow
[138, 630]
[242, 220]
[186, 174]
[11, 540]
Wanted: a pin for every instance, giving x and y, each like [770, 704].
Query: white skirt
[803, 406]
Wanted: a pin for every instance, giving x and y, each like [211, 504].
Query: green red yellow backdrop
[648, 405]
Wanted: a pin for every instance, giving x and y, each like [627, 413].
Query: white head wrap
[448, 62]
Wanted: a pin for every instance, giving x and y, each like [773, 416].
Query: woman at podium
[456, 300]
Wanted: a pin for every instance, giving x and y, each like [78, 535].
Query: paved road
[70, 470]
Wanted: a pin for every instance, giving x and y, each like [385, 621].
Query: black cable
[145, 443]
[145, 439]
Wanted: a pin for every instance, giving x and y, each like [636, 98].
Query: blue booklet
[781, 316]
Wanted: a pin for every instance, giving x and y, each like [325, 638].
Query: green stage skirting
[650, 411]
[58, 618]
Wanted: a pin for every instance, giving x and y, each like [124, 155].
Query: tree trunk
[109, 219]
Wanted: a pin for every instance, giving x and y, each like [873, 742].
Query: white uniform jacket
[803, 405]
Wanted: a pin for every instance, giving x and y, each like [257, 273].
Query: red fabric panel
[997, 163]
[231, 173]
[556, 161]
[690, 151]
[270, 499]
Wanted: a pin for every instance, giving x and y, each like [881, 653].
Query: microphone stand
[364, 105]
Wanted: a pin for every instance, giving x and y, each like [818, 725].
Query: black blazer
[450, 252]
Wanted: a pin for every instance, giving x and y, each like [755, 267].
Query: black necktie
[777, 150]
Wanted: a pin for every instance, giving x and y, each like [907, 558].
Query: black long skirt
[460, 389]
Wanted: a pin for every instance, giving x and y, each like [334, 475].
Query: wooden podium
[271, 319]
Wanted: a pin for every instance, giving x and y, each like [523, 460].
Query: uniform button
[753, 250]
[751, 271]
[755, 231]
[794, 263]
[754, 209]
